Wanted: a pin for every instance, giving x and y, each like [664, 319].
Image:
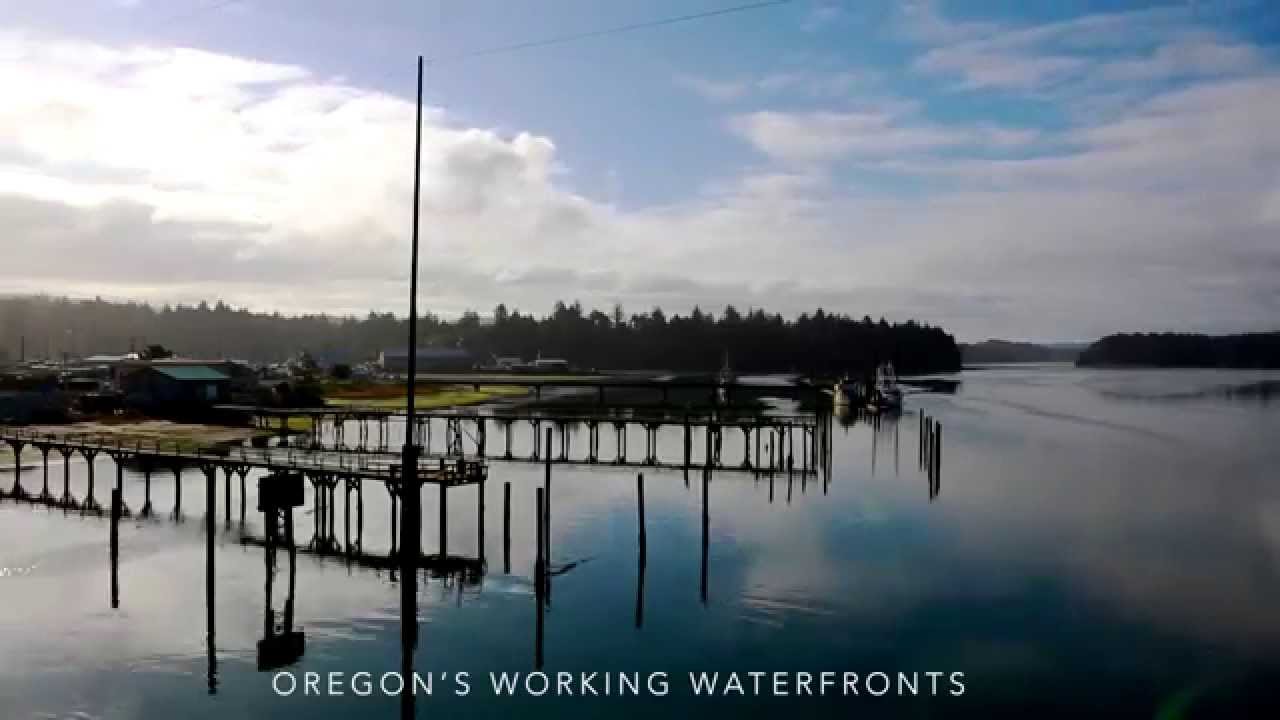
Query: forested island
[1006, 351]
[1249, 350]
[753, 341]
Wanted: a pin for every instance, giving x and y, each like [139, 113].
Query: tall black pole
[411, 507]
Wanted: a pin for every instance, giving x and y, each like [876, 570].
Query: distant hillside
[1005, 351]
[1252, 350]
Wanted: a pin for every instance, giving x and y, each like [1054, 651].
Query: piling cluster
[931, 452]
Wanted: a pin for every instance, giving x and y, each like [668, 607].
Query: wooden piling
[210, 499]
[444, 515]
[506, 527]
[642, 559]
[937, 449]
[706, 531]
[546, 518]
[921, 438]
[640, 508]
[117, 502]
[539, 576]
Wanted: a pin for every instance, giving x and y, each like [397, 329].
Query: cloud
[178, 174]
[715, 90]
[807, 83]
[1146, 45]
[824, 136]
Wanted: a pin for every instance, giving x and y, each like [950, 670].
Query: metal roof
[190, 372]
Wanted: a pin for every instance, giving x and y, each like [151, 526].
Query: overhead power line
[199, 10]
[560, 39]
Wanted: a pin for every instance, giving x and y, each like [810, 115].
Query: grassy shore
[393, 396]
[149, 432]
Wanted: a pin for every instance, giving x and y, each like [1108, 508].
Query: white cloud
[800, 137]
[267, 185]
[826, 85]
[715, 90]
[1139, 45]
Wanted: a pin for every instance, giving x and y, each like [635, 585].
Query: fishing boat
[887, 395]
[724, 379]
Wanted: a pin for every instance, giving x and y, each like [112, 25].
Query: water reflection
[1066, 555]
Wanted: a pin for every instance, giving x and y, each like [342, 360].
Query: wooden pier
[324, 471]
[776, 442]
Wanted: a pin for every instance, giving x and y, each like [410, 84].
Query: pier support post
[67, 453]
[146, 488]
[480, 520]
[444, 514]
[177, 493]
[226, 509]
[243, 472]
[210, 498]
[506, 527]
[546, 521]
[91, 502]
[117, 501]
[706, 524]
[17, 468]
[539, 578]
[44, 453]
[643, 542]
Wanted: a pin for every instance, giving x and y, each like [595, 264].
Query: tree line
[1249, 350]
[753, 341]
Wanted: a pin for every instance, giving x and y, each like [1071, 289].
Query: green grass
[434, 399]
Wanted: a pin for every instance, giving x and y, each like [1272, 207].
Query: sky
[1044, 171]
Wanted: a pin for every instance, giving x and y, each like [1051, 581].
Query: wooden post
[360, 514]
[640, 508]
[706, 522]
[394, 515]
[67, 454]
[117, 502]
[546, 529]
[346, 516]
[539, 573]
[757, 465]
[444, 514]
[937, 449]
[921, 438]
[506, 527]
[44, 492]
[642, 560]
[688, 440]
[146, 483]
[480, 520]
[177, 491]
[210, 499]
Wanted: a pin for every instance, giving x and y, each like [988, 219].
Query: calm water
[1103, 543]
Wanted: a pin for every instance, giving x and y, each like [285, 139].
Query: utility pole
[410, 488]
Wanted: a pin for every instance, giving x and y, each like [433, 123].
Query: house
[508, 363]
[550, 365]
[428, 358]
[175, 386]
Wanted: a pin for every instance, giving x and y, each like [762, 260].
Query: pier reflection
[767, 454]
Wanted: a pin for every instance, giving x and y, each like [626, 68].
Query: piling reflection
[767, 452]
